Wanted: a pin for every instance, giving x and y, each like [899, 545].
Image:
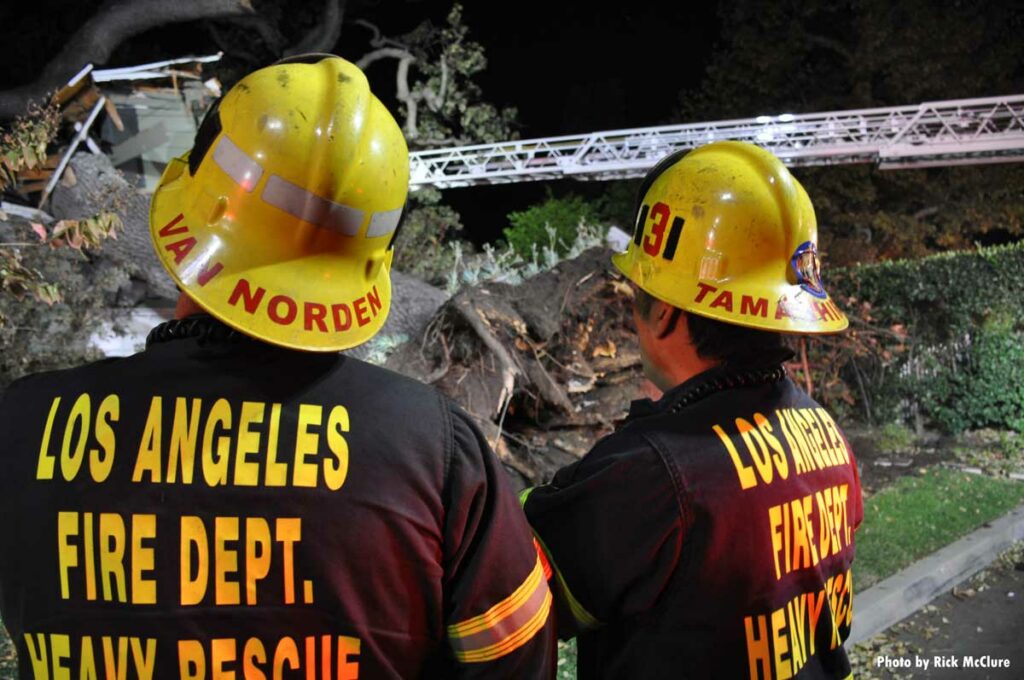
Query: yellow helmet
[726, 232]
[281, 219]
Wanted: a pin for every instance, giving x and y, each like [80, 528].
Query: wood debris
[556, 353]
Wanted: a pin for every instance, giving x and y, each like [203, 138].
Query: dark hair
[731, 344]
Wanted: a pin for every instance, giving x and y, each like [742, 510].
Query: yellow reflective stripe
[513, 641]
[584, 619]
[504, 608]
[525, 493]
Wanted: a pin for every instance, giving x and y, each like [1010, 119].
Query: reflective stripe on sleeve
[543, 559]
[506, 626]
[584, 619]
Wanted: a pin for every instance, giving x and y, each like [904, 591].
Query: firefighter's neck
[186, 307]
[669, 357]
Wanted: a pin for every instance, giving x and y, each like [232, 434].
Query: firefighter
[239, 499]
[711, 535]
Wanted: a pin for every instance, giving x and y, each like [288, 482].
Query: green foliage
[918, 515]
[616, 203]
[452, 112]
[990, 384]
[530, 227]
[23, 144]
[19, 279]
[443, 107]
[868, 54]
[947, 339]
[382, 345]
[995, 452]
[566, 669]
[505, 265]
[895, 438]
[40, 333]
[423, 248]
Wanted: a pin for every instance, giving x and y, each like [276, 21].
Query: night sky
[568, 66]
[576, 67]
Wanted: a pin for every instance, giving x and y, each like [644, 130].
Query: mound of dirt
[546, 366]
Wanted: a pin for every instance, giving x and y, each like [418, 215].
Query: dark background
[569, 67]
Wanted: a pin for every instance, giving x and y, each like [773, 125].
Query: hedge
[961, 365]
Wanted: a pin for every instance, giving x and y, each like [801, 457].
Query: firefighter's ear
[664, 318]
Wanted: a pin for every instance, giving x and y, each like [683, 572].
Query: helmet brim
[322, 302]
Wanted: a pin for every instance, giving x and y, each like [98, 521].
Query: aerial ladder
[941, 133]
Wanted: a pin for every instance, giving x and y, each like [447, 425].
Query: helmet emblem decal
[808, 269]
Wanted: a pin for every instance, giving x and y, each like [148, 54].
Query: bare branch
[115, 22]
[325, 35]
[385, 53]
[410, 99]
[377, 40]
[435, 100]
[830, 44]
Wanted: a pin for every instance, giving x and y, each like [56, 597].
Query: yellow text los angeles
[230, 443]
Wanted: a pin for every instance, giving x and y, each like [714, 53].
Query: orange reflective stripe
[512, 642]
[507, 625]
[543, 559]
[502, 609]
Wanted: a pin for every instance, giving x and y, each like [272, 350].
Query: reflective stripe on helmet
[383, 223]
[298, 202]
[238, 165]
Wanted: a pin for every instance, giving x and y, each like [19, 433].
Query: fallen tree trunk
[546, 367]
[114, 22]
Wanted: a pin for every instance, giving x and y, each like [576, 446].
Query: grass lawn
[917, 515]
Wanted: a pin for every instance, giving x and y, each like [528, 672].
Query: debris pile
[118, 129]
[546, 366]
[141, 116]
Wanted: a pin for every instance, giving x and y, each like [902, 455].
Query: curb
[897, 597]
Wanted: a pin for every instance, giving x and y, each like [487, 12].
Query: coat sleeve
[612, 528]
[498, 604]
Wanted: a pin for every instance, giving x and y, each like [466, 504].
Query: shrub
[938, 340]
[895, 438]
[505, 265]
[530, 227]
[424, 246]
[988, 389]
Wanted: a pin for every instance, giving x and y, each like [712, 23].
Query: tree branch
[271, 36]
[410, 99]
[385, 53]
[402, 92]
[115, 22]
[435, 100]
[830, 44]
[377, 40]
[226, 47]
[325, 35]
